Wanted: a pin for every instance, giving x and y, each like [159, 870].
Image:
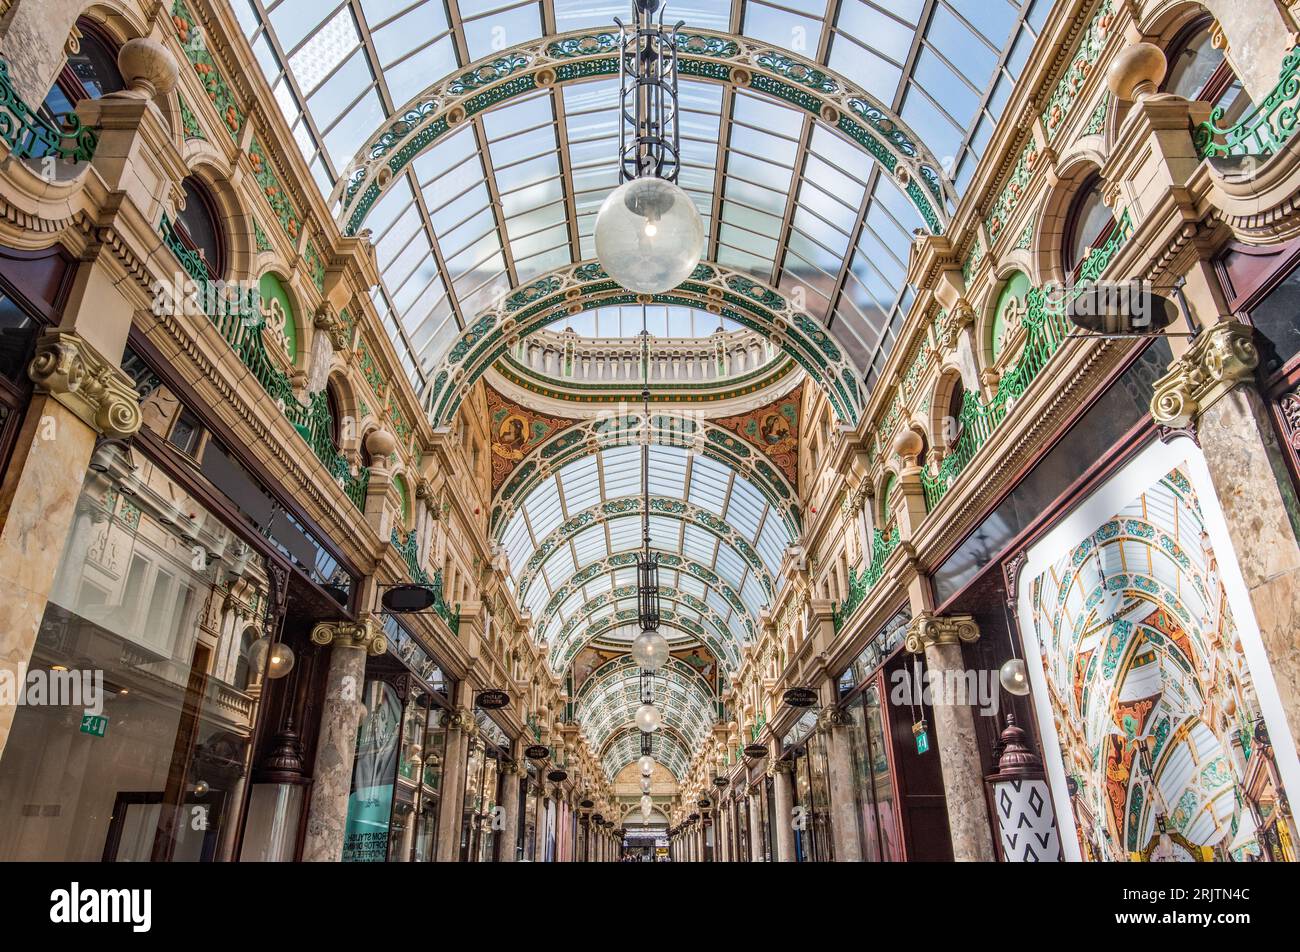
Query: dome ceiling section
[934, 72]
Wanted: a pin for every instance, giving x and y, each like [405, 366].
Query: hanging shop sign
[557, 775]
[1119, 309]
[703, 803]
[756, 750]
[800, 697]
[492, 699]
[720, 781]
[407, 599]
[597, 819]
[537, 751]
[586, 804]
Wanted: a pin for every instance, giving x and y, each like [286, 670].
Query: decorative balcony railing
[1263, 130]
[239, 321]
[882, 546]
[410, 553]
[1046, 327]
[32, 136]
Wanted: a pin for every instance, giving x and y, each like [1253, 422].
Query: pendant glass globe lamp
[650, 650]
[649, 235]
[645, 784]
[648, 718]
[647, 764]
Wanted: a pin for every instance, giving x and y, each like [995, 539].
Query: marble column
[349, 644]
[940, 638]
[79, 396]
[844, 805]
[1210, 394]
[509, 842]
[756, 829]
[459, 723]
[783, 806]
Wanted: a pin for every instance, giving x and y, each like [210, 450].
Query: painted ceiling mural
[516, 430]
[774, 429]
[1162, 736]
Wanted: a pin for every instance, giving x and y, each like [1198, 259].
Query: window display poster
[365, 837]
[1161, 726]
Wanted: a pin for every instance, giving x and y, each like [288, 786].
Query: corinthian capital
[928, 629]
[1223, 357]
[77, 376]
[351, 634]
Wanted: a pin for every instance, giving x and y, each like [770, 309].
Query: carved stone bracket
[328, 321]
[348, 634]
[1222, 358]
[928, 629]
[77, 376]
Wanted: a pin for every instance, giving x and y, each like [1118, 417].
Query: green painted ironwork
[882, 546]
[238, 320]
[410, 553]
[32, 136]
[1047, 327]
[1263, 130]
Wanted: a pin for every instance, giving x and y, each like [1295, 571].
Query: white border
[1152, 464]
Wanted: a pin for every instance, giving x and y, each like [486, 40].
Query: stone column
[783, 806]
[1210, 394]
[349, 644]
[453, 783]
[940, 638]
[756, 830]
[844, 805]
[509, 842]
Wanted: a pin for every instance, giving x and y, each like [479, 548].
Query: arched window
[952, 423]
[1199, 70]
[1087, 226]
[244, 665]
[199, 226]
[89, 73]
[336, 413]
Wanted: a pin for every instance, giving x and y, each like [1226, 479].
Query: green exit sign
[95, 725]
[922, 734]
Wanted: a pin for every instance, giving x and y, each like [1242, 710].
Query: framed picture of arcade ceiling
[1161, 726]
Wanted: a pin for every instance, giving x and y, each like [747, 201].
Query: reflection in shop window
[156, 594]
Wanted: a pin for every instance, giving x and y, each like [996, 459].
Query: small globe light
[647, 764]
[648, 718]
[273, 661]
[1014, 677]
[650, 650]
[649, 235]
[646, 806]
[645, 784]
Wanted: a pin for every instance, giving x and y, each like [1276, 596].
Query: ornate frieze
[77, 376]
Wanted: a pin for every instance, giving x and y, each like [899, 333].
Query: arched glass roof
[614, 474]
[660, 321]
[513, 193]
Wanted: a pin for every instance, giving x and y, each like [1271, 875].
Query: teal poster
[365, 838]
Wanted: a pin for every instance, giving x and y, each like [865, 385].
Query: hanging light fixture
[647, 566]
[648, 718]
[649, 235]
[647, 764]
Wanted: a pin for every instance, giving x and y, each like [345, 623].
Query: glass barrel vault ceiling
[514, 193]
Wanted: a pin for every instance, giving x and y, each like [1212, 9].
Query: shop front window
[873, 788]
[528, 842]
[130, 741]
[812, 832]
[478, 817]
[419, 780]
[370, 803]
[742, 830]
